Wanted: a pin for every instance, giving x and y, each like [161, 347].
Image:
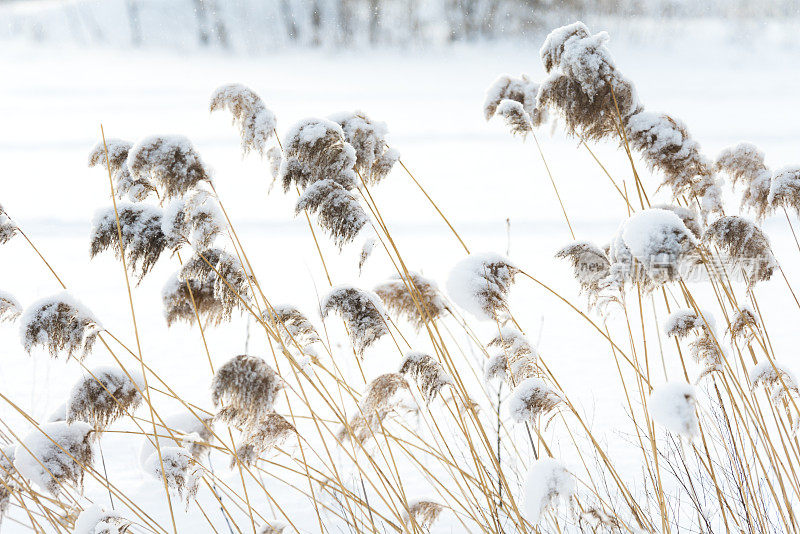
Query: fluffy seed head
[530, 398]
[683, 323]
[429, 374]
[417, 298]
[54, 454]
[142, 238]
[95, 520]
[423, 513]
[521, 90]
[103, 396]
[366, 252]
[361, 311]
[8, 228]
[179, 469]
[338, 210]
[230, 280]
[745, 163]
[180, 301]
[248, 387]
[784, 189]
[10, 307]
[547, 483]
[744, 324]
[520, 356]
[480, 284]
[516, 118]
[170, 161]
[292, 325]
[273, 430]
[256, 123]
[590, 266]
[125, 184]
[59, 324]
[779, 382]
[389, 393]
[374, 159]
[745, 244]
[316, 149]
[557, 40]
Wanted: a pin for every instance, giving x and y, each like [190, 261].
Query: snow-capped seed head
[417, 298]
[8, 228]
[142, 238]
[228, 275]
[547, 483]
[125, 184]
[744, 324]
[689, 217]
[273, 526]
[191, 431]
[292, 325]
[54, 454]
[429, 374]
[590, 266]
[256, 123]
[338, 210]
[530, 398]
[657, 243]
[270, 432]
[745, 244]
[361, 311]
[180, 302]
[496, 369]
[374, 159]
[170, 161]
[521, 90]
[784, 189]
[59, 324]
[480, 284]
[706, 350]
[248, 387]
[196, 220]
[779, 382]
[674, 406]
[316, 149]
[366, 252]
[516, 118]
[275, 157]
[423, 513]
[58, 414]
[682, 323]
[743, 162]
[117, 154]
[102, 396]
[95, 520]
[556, 41]
[10, 308]
[521, 357]
[179, 469]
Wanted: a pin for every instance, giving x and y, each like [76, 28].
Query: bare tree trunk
[134, 22]
[374, 21]
[200, 15]
[316, 23]
[220, 29]
[344, 16]
[288, 20]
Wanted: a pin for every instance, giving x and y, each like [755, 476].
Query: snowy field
[53, 101]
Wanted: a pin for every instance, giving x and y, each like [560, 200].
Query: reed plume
[135, 189]
[179, 469]
[423, 513]
[170, 161]
[547, 483]
[8, 228]
[521, 90]
[784, 189]
[54, 454]
[315, 150]
[256, 123]
[416, 298]
[194, 220]
[362, 312]
[674, 406]
[292, 325]
[520, 358]
[590, 266]
[704, 347]
[180, 302]
[388, 393]
[270, 432]
[374, 158]
[10, 308]
[95, 520]
[516, 118]
[745, 244]
[744, 324]
[366, 252]
[530, 398]
[338, 210]
[745, 163]
[142, 238]
[102, 397]
[248, 388]
[227, 274]
[480, 283]
[429, 374]
[59, 324]
[776, 379]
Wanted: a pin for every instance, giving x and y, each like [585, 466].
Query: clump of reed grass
[745, 163]
[170, 162]
[374, 158]
[416, 298]
[745, 244]
[423, 513]
[362, 312]
[113, 155]
[267, 434]
[388, 393]
[248, 388]
[255, 121]
[103, 396]
[142, 238]
[59, 324]
[179, 469]
[429, 374]
[10, 308]
[55, 454]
